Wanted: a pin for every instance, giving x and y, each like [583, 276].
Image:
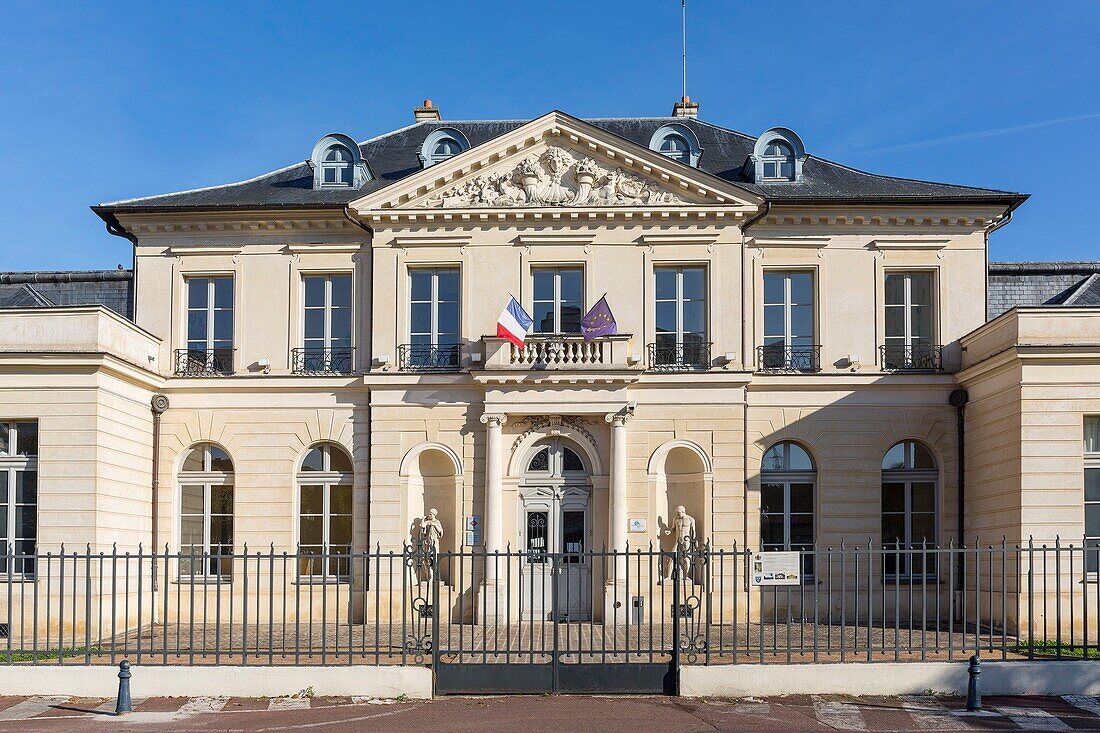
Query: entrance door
[557, 569]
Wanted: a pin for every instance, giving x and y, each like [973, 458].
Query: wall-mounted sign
[472, 526]
[637, 524]
[776, 568]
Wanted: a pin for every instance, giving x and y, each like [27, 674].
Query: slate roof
[1014, 284]
[393, 156]
[111, 288]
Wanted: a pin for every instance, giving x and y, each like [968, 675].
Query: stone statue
[682, 531]
[431, 533]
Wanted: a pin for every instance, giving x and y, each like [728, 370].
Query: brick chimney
[685, 108]
[428, 113]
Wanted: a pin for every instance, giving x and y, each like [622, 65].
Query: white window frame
[434, 301]
[557, 270]
[679, 299]
[779, 161]
[1091, 462]
[907, 477]
[907, 305]
[327, 479]
[207, 479]
[10, 466]
[787, 476]
[326, 339]
[210, 310]
[338, 167]
[788, 336]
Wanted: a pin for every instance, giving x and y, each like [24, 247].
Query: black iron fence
[428, 358]
[783, 358]
[916, 357]
[672, 357]
[216, 362]
[322, 362]
[563, 614]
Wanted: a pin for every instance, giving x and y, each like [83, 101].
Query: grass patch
[1050, 648]
[54, 654]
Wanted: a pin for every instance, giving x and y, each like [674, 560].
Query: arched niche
[680, 475]
[432, 477]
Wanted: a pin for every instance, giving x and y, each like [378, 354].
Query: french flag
[514, 324]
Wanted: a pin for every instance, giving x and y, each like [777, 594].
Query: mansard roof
[1067, 284]
[43, 289]
[393, 156]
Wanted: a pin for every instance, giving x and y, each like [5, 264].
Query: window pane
[340, 323]
[191, 531]
[340, 500]
[923, 496]
[774, 288]
[802, 498]
[802, 529]
[421, 318]
[665, 283]
[221, 499]
[571, 317]
[315, 291]
[540, 461]
[773, 459]
[893, 529]
[770, 170]
[802, 288]
[1092, 434]
[1092, 484]
[339, 528]
[771, 498]
[197, 292]
[666, 317]
[774, 322]
[922, 458]
[543, 315]
[923, 530]
[447, 318]
[571, 461]
[196, 326]
[893, 497]
[921, 320]
[799, 458]
[1092, 520]
[223, 292]
[313, 499]
[219, 460]
[338, 460]
[771, 529]
[3, 521]
[314, 460]
[4, 439]
[802, 321]
[920, 288]
[26, 438]
[25, 522]
[191, 501]
[26, 487]
[895, 322]
[314, 324]
[223, 325]
[573, 532]
[221, 530]
[695, 283]
[895, 289]
[544, 285]
[341, 291]
[447, 286]
[421, 289]
[894, 458]
[311, 530]
[572, 284]
[695, 317]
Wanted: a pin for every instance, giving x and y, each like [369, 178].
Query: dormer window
[776, 157]
[337, 163]
[678, 143]
[336, 167]
[778, 161]
[444, 143]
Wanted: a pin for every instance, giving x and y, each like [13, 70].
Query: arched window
[336, 167]
[677, 142]
[787, 483]
[778, 161]
[443, 143]
[324, 512]
[555, 460]
[206, 512]
[909, 496]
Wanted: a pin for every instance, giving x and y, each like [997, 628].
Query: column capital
[618, 419]
[494, 419]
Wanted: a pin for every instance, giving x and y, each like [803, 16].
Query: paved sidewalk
[544, 714]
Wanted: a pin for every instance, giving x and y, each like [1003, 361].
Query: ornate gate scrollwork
[691, 572]
[421, 563]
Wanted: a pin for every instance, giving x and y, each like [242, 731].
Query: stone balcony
[560, 353]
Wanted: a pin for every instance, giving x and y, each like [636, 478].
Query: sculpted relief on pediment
[555, 177]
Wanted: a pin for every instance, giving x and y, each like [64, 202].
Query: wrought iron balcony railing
[780, 358]
[340, 360]
[679, 357]
[912, 358]
[427, 358]
[204, 362]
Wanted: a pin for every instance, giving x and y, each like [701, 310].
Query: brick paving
[536, 714]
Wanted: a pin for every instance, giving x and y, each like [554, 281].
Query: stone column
[616, 603]
[493, 522]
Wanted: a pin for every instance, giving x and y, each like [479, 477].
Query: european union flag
[599, 321]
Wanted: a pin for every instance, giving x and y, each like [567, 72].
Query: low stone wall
[181, 681]
[888, 678]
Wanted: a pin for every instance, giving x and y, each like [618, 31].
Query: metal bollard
[124, 705]
[973, 688]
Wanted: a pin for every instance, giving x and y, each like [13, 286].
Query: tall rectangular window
[558, 299]
[681, 317]
[210, 324]
[433, 319]
[910, 321]
[327, 323]
[206, 529]
[789, 322]
[18, 495]
[1092, 492]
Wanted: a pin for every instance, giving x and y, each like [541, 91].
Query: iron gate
[544, 622]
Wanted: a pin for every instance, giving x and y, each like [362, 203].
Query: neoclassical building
[309, 358]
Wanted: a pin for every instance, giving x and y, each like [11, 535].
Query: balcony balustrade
[558, 352]
[428, 358]
[783, 359]
[911, 358]
[679, 357]
[203, 362]
[323, 362]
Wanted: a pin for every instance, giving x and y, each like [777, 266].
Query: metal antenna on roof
[684, 44]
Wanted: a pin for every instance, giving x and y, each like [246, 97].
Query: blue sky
[100, 101]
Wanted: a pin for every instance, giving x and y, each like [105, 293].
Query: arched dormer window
[777, 156]
[338, 163]
[677, 142]
[441, 144]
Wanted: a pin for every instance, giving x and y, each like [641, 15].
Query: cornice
[398, 217]
[242, 222]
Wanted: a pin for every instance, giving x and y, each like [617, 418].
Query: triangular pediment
[557, 161]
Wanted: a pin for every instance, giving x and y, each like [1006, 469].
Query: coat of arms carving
[554, 178]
